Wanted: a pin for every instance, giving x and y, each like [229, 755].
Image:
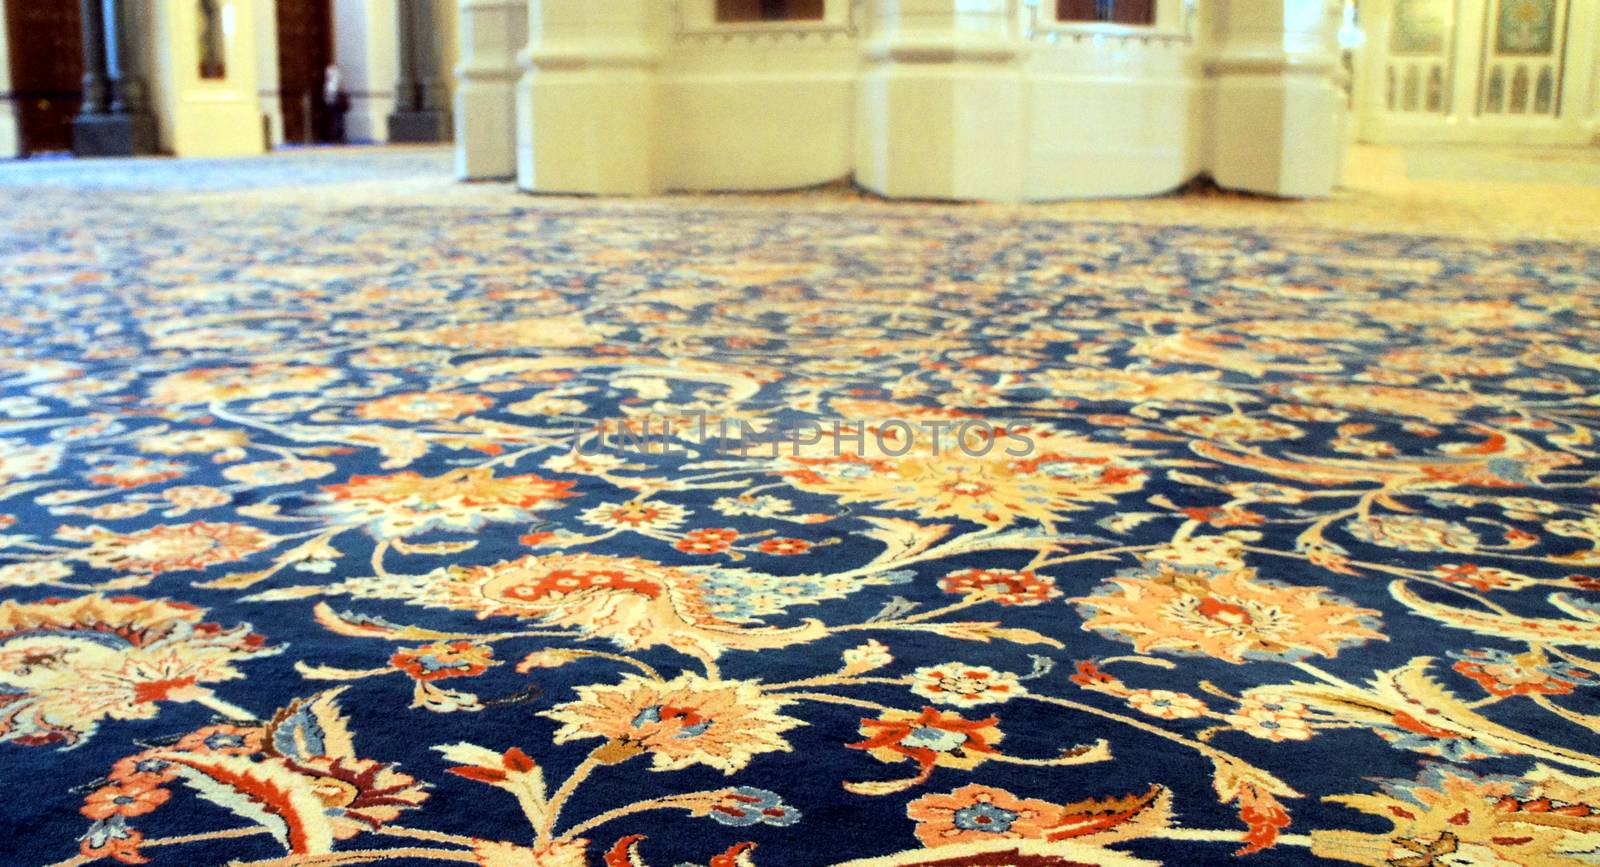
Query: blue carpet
[697, 533]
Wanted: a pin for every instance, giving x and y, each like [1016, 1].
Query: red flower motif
[444, 659]
[1585, 582]
[1007, 587]
[707, 541]
[228, 740]
[134, 797]
[146, 768]
[1217, 516]
[1504, 674]
[1090, 676]
[929, 738]
[512, 761]
[784, 547]
[1480, 578]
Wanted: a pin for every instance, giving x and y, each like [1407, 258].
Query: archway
[305, 50]
[46, 42]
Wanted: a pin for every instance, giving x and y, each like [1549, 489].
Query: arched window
[1435, 90]
[735, 11]
[1113, 11]
[1494, 100]
[1519, 91]
[1544, 92]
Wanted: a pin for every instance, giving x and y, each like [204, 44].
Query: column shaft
[114, 120]
[127, 85]
[417, 116]
[95, 84]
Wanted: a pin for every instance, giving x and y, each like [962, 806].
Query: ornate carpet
[691, 533]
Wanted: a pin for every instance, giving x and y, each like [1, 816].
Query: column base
[591, 132]
[418, 127]
[113, 135]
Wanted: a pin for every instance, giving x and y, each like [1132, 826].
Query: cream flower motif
[19, 460]
[635, 603]
[67, 664]
[1225, 614]
[1450, 816]
[197, 497]
[578, 463]
[973, 813]
[636, 516]
[760, 506]
[1439, 407]
[169, 547]
[462, 500]
[549, 404]
[550, 332]
[562, 853]
[423, 406]
[32, 574]
[1138, 386]
[1413, 533]
[202, 385]
[1236, 428]
[1018, 475]
[1166, 704]
[282, 472]
[202, 441]
[681, 722]
[1271, 719]
[965, 685]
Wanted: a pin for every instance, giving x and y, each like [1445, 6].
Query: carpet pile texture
[683, 533]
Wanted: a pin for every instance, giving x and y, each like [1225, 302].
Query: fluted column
[940, 105]
[96, 87]
[1275, 124]
[491, 34]
[127, 84]
[114, 120]
[587, 100]
[417, 116]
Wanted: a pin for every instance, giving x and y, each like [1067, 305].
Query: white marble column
[267, 83]
[940, 105]
[10, 132]
[492, 32]
[1276, 99]
[587, 99]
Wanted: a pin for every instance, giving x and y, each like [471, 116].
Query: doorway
[46, 41]
[305, 49]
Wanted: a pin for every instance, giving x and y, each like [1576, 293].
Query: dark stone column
[114, 122]
[418, 115]
[95, 84]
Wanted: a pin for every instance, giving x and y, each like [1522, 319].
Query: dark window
[1114, 11]
[769, 10]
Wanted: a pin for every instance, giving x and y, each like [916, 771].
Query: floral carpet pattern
[392, 535]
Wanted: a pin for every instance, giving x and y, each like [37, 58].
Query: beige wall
[950, 99]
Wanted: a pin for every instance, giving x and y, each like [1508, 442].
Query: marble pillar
[418, 114]
[492, 32]
[115, 119]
